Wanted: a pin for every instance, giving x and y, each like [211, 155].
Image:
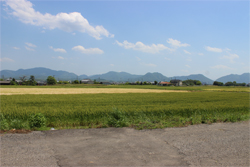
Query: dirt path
[220, 144]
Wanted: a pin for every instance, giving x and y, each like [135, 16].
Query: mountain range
[41, 73]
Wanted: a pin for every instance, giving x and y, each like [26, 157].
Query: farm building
[87, 81]
[4, 82]
[105, 83]
[40, 83]
[176, 82]
[164, 83]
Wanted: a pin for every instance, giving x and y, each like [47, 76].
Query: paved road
[220, 144]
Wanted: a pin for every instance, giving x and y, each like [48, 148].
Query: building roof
[4, 81]
[86, 80]
[165, 83]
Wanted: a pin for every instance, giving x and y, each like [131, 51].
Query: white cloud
[187, 66]
[60, 57]
[58, 49]
[142, 47]
[208, 48]
[138, 58]
[30, 45]
[112, 65]
[87, 51]
[221, 67]
[176, 43]
[24, 11]
[187, 52]
[189, 59]
[167, 58]
[231, 57]
[201, 54]
[16, 48]
[29, 49]
[6, 59]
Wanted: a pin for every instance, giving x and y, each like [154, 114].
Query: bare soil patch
[16, 91]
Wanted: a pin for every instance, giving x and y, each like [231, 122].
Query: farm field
[14, 91]
[138, 110]
[189, 88]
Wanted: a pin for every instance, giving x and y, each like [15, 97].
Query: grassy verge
[151, 110]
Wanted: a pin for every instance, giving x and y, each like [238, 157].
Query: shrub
[117, 118]
[37, 120]
[18, 124]
[3, 123]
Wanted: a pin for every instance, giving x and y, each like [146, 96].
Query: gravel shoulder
[219, 144]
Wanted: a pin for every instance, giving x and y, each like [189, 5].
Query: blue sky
[94, 37]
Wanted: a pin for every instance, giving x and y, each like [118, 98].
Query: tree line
[234, 83]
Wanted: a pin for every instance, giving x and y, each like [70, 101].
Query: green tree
[75, 82]
[1, 79]
[229, 84]
[13, 82]
[198, 83]
[32, 80]
[218, 83]
[156, 82]
[51, 80]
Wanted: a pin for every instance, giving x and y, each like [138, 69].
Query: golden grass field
[17, 91]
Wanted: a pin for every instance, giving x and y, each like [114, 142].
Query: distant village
[52, 81]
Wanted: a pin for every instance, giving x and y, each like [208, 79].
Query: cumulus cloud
[167, 58]
[187, 52]
[231, 57]
[24, 11]
[221, 67]
[29, 49]
[176, 43]
[60, 57]
[208, 48]
[142, 47]
[58, 49]
[187, 66]
[201, 54]
[16, 48]
[6, 59]
[87, 51]
[30, 45]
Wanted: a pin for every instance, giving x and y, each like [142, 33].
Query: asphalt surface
[220, 144]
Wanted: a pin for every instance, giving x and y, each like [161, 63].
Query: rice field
[138, 109]
[15, 91]
[188, 88]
